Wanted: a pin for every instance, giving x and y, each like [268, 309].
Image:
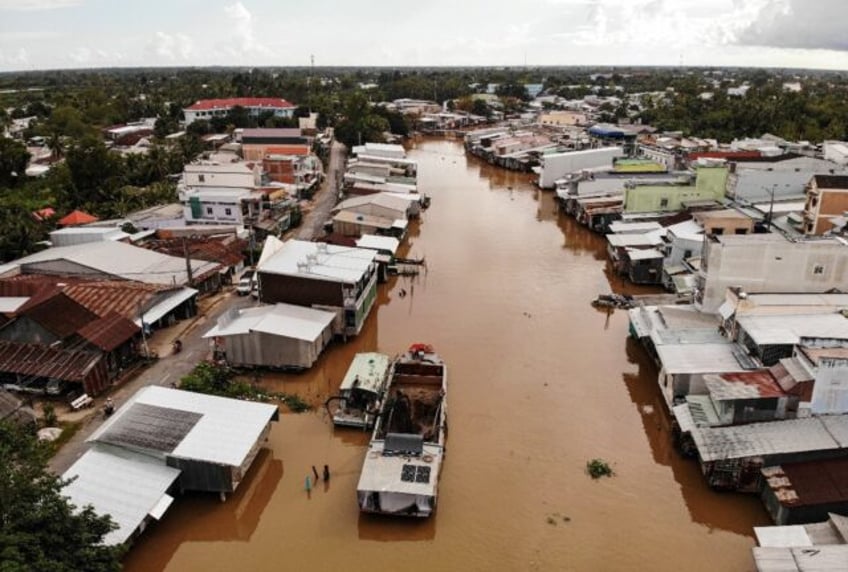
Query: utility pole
[143, 332]
[188, 263]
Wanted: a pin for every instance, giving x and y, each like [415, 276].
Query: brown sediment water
[540, 382]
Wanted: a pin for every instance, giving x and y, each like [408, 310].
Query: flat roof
[644, 239]
[782, 536]
[127, 486]
[364, 219]
[376, 242]
[9, 304]
[319, 261]
[621, 227]
[225, 433]
[284, 320]
[699, 358]
[644, 254]
[789, 329]
[771, 438]
[370, 369]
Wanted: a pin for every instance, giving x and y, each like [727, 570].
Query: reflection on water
[540, 382]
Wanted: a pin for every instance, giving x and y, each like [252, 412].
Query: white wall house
[255, 106]
[769, 263]
[556, 165]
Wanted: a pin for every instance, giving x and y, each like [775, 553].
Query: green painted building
[709, 185]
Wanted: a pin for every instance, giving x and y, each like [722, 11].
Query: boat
[400, 474]
[361, 391]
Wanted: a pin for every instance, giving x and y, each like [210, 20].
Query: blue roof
[606, 131]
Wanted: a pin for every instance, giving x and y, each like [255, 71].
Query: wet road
[540, 382]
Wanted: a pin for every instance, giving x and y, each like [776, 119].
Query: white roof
[382, 473]
[621, 227]
[369, 368]
[319, 261]
[644, 254]
[121, 260]
[385, 200]
[800, 559]
[771, 438]
[207, 193]
[789, 329]
[123, 484]
[284, 320]
[625, 240]
[699, 358]
[225, 433]
[795, 535]
[9, 304]
[165, 305]
[376, 242]
[688, 228]
[365, 219]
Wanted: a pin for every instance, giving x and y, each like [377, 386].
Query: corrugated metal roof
[699, 358]
[227, 430]
[57, 313]
[772, 438]
[631, 240]
[43, 361]
[645, 254]
[620, 227]
[745, 385]
[370, 371]
[8, 304]
[122, 260]
[109, 332]
[150, 427]
[789, 329]
[125, 485]
[817, 559]
[284, 320]
[809, 483]
[320, 261]
[385, 200]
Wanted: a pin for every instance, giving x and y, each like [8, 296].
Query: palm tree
[56, 145]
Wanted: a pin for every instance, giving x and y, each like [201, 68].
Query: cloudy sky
[39, 34]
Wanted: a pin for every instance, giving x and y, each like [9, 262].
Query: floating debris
[598, 468]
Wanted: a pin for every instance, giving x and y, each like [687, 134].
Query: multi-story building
[255, 106]
[827, 198]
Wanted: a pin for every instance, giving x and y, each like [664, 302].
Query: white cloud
[14, 60]
[243, 32]
[798, 24]
[29, 5]
[171, 47]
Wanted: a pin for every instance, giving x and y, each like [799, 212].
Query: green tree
[95, 172]
[19, 233]
[39, 528]
[13, 161]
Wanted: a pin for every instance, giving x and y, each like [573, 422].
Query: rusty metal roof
[809, 483]
[108, 296]
[207, 249]
[758, 384]
[109, 332]
[44, 361]
[56, 312]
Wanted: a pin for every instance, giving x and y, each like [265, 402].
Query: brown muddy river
[540, 382]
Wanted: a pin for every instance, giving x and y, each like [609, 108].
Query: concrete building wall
[709, 185]
[556, 165]
[777, 265]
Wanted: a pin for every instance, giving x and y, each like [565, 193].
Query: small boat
[400, 475]
[361, 392]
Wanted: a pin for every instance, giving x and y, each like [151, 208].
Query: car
[246, 283]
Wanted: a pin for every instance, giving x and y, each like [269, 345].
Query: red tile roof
[110, 332]
[269, 102]
[77, 217]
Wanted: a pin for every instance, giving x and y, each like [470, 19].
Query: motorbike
[178, 346]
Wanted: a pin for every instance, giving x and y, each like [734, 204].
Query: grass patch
[597, 468]
[69, 429]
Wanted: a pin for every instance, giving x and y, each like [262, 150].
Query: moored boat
[400, 474]
[361, 391]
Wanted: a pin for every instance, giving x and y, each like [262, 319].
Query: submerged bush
[598, 468]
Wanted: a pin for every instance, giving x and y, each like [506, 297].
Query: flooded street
[540, 382]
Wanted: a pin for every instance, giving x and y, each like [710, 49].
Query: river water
[540, 382]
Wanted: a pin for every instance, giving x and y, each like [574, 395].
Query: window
[209, 211]
[741, 231]
[818, 269]
[718, 231]
[228, 211]
[201, 178]
[687, 254]
[663, 203]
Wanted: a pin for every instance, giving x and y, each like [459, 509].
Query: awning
[159, 510]
[156, 313]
